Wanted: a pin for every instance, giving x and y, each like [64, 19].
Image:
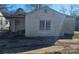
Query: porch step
[67, 42]
[76, 35]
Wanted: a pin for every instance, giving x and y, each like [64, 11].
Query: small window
[42, 24]
[48, 25]
[6, 21]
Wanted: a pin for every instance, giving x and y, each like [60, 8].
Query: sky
[56, 7]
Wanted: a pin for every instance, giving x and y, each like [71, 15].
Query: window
[45, 25]
[48, 25]
[6, 22]
[42, 24]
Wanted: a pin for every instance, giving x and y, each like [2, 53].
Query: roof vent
[45, 10]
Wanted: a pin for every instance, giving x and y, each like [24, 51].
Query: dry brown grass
[76, 35]
[70, 46]
[60, 47]
[67, 42]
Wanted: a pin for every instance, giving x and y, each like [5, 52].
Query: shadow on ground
[13, 43]
[21, 44]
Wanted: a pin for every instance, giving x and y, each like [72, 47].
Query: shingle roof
[13, 14]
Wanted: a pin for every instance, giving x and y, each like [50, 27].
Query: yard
[61, 46]
[40, 45]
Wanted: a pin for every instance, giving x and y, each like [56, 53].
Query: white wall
[32, 21]
[69, 25]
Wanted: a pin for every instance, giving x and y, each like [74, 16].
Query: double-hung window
[45, 25]
[42, 24]
[48, 25]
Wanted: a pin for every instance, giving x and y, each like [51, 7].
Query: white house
[41, 22]
[48, 22]
[4, 23]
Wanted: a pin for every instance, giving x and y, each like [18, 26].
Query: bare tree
[63, 10]
[35, 6]
[5, 7]
[72, 9]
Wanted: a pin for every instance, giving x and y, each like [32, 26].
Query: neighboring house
[13, 21]
[4, 23]
[41, 22]
[17, 20]
[48, 22]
